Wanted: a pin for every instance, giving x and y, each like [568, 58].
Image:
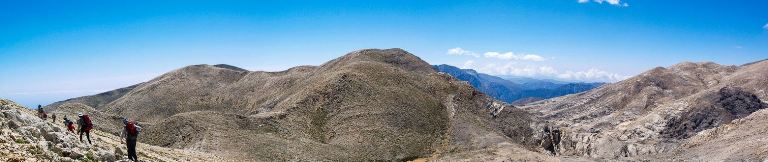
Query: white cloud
[510, 63]
[510, 69]
[611, 2]
[591, 75]
[529, 71]
[765, 26]
[458, 51]
[513, 56]
[461, 52]
[468, 64]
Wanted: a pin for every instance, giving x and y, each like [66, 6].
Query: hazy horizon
[58, 50]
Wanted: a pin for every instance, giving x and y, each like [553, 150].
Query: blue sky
[54, 50]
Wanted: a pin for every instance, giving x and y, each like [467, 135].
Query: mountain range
[368, 105]
[389, 105]
[514, 89]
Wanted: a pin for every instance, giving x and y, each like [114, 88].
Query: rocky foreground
[25, 137]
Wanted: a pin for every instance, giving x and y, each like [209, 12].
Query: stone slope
[367, 105]
[25, 137]
[653, 112]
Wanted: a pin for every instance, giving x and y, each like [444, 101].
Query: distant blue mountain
[514, 89]
[530, 83]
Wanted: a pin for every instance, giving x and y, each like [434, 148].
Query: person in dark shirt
[85, 126]
[131, 133]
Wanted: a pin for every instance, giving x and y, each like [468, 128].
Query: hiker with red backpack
[70, 125]
[85, 127]
[131, 133]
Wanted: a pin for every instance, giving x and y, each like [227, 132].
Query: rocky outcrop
[742, 139]
[712, 110]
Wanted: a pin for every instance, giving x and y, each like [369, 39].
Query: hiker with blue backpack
[131, 133]
[41, 112]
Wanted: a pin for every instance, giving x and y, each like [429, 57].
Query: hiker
[85, 127]
[131, 133]
[70, 125]
[53, 115]
[41, 113]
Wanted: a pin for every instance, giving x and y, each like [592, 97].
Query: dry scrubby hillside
[687, 111]
[25, 137]
[367, 105]
[372, 105]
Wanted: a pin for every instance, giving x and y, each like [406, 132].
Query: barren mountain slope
[367, 105]
[743, 139]
[652, 112]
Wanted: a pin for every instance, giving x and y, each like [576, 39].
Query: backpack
[70, 126]
[88, 123]
[132, 129]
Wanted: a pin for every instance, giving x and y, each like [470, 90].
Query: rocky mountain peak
[209, 68]
[230, 67]
[688, 77]
[223, 73]
[394, 56]
[698, 67]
